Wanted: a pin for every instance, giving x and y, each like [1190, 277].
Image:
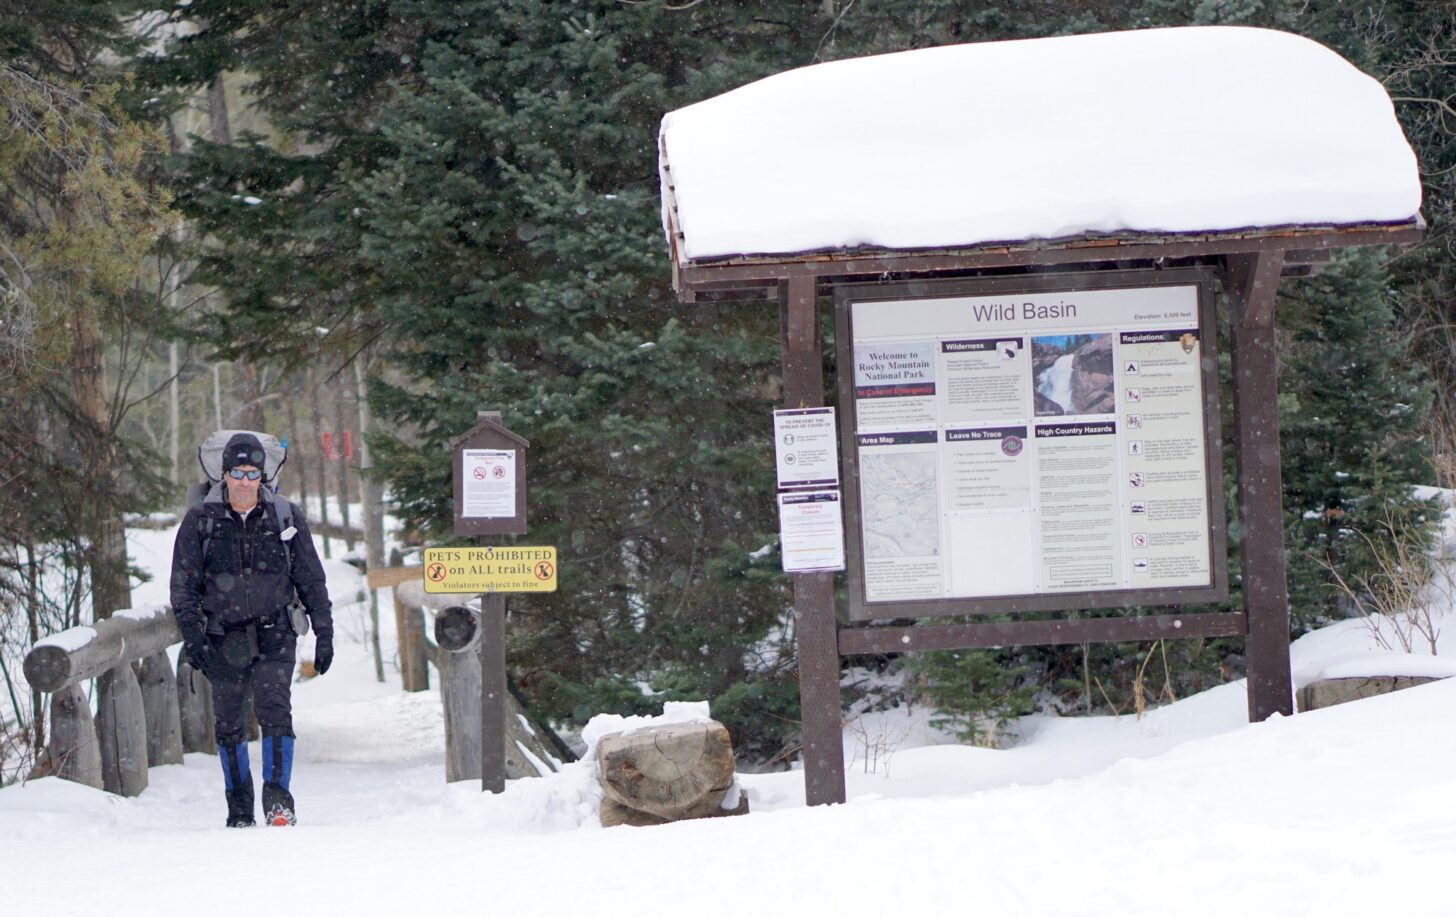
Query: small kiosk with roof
[1026, 245]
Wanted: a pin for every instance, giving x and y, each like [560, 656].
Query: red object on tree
[348, 445]
[328, 443]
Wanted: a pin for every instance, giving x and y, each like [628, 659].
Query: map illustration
[901, 509]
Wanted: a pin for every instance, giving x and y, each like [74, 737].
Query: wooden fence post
[414, 667]
[460, 692]
[73, 745]
[121, 728]
[194, 707]
[163, 715]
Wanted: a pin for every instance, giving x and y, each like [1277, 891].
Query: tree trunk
[342, 420]
[174, 417]
[373, 509]
[249, 413]
[103, 534]
[217, 110]
[323, 459]
[32, 620]
[295, 440]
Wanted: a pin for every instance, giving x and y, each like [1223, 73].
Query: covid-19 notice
[1032, 443]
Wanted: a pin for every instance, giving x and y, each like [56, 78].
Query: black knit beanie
[243, 449]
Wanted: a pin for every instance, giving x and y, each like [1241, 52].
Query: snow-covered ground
[1188, 810]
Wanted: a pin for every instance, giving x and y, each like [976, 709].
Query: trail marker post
[489, 474]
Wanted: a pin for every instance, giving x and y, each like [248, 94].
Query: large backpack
[275, 456]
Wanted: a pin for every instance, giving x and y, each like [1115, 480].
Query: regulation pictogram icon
[544, 570]
[435, 572]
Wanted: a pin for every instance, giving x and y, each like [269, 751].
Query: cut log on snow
[1327, 692]
[613, 813]
[164, 719]
[194, 706]
[668, 774]
[73, 750]
[121, 729]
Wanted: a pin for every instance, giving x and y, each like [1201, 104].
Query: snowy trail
[1188, 810]
[1341, 811]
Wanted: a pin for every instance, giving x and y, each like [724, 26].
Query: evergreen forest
[355, 223]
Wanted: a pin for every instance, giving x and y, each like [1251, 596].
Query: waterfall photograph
[1073, 374]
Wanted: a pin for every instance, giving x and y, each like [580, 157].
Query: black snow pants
[267, 678]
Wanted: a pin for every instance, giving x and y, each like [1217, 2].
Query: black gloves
[200, 654]
[323, 654]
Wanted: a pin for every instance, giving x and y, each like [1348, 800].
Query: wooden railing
[147, 713]
[530, 750]
[150, 714]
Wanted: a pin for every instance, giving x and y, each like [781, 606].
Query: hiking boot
[280, 817]
[239, 784]
[240, 806]
[277, 769]
[278, 806]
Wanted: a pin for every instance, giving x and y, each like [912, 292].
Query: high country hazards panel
[1031, 443]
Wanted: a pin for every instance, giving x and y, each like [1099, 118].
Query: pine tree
[76, 221]
[472, 187]
[519, 214]
[478, 195]
[1351, 425]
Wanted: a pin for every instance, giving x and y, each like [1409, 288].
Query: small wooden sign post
[489, 465]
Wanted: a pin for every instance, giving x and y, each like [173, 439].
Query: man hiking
[235, 571]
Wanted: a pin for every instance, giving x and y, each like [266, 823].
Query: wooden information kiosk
[1029, 425]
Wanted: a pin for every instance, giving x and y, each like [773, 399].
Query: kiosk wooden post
[815, 625]
[1251, 282]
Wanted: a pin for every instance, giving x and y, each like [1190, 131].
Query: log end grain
[677, 772]
[47, 668]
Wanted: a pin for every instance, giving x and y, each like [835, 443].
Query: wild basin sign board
[1032, 450]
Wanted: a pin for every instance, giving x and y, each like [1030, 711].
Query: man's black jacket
[245, 576]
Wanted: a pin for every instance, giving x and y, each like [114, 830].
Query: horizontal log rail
[147, 713]
[388, 577]
[81, 653]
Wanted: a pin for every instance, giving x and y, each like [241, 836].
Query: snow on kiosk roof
[1011, 152]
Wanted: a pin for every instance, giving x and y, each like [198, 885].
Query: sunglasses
[237, 474]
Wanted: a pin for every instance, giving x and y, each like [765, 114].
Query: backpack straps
[205, 525]
[282, 508]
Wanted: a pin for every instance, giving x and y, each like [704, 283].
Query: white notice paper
[806, 448]
[490, 483]
[811, 531]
